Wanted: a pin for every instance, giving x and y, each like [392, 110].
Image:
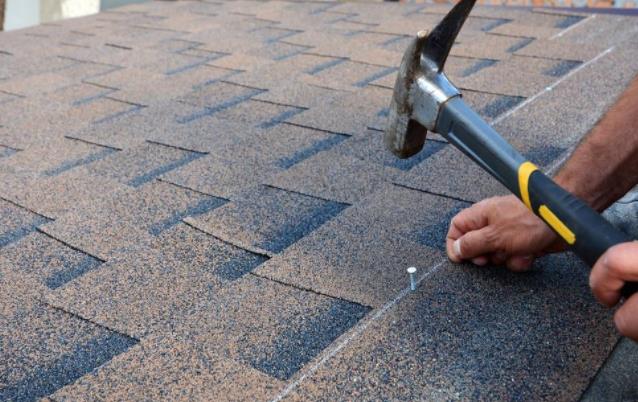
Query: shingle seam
[88, 320]
[124, 101]
[25, 208]
[12, 94]
[317, 129]
[306, 194]
[190, 189]
[70, 137]
[74, 45]
[155, 142]
[530, 56]
[277, 103]
[118, 46]
[449, 197]
[305, 289]
[73, 31]
[242, 85]
[464, 89]
[348, 59]
[234, 243]
[11, 148]
[152, 28]
[368, 24]
[243, 14]
[72, 247]
[96, 84]
[505, 35]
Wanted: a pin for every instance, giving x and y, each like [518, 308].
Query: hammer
[425, 99]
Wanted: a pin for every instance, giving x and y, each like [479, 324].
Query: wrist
[582, 187]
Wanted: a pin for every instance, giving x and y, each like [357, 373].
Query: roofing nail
[412, 272]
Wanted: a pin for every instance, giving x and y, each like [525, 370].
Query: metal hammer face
[421, 87]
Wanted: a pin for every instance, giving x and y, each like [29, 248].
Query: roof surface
[195, 203]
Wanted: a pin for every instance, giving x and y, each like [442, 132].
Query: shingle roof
[195, 202]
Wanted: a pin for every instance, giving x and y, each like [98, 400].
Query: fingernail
[480, 261]
[457, 247]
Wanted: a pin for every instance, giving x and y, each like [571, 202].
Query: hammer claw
[441, 39]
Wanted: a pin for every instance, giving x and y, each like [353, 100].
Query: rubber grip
[585, 230]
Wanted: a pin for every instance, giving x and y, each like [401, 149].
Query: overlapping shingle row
[196, 203]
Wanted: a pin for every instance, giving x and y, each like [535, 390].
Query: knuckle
[491, 237]
[614, 263]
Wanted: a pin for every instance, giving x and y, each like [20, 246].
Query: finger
[520, 263]
[463, 222]
[474, 244]
[617, 266]
[472, 218]
[626, 318]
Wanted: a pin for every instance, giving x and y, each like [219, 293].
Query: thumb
[475, 244]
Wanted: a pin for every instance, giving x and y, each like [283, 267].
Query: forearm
[605, 165]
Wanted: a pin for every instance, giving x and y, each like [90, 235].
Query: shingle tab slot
[205, 205]
[376, 76]
[68, 165]
[562, 67]
[18, 233]
[155, 173]
[306, 153]
[520, 44]
[45, 380]
[500, 106]
[303, 339]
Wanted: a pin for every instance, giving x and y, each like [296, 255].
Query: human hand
[500, 230]
[617, 266]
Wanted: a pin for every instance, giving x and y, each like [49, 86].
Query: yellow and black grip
[587, 233]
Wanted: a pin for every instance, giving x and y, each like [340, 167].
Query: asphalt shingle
[196, 203]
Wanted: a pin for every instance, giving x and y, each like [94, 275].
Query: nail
[412, 272]
[456, 246]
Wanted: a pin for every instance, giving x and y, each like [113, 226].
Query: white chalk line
[579, 23]
[551, 87]
[357, 330]
[354, 333]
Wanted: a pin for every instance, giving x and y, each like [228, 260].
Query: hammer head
[421, 87]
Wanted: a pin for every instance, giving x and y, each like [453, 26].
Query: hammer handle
[587, 233]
